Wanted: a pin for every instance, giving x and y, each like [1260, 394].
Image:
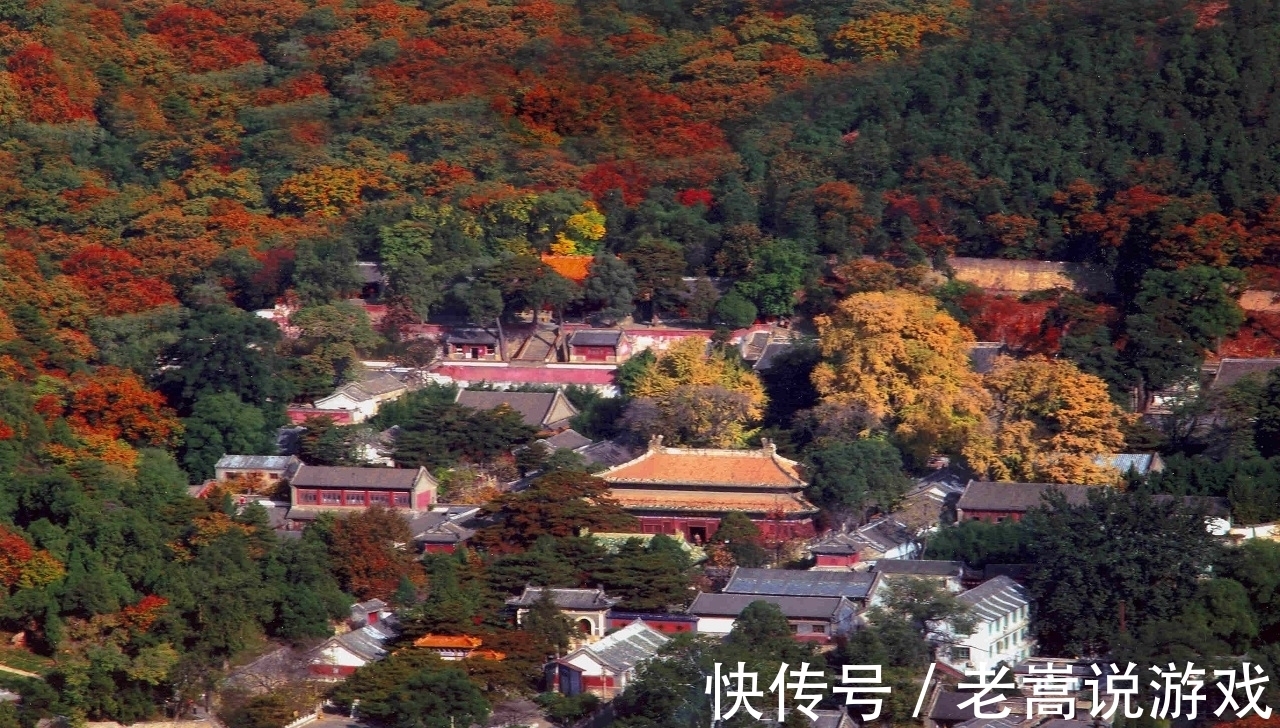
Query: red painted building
[687, 491]
[835, 550]
[297, 415]
[592, 345]
[316, 487]
[664, 623]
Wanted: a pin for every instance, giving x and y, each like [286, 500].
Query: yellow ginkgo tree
[582, 232]
[903, 360]
[1049, 423]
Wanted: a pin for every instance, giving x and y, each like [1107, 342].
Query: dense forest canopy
[167, 168]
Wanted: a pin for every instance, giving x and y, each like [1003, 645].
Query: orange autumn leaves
[111, 411]
[23, 566]
[109, 278]
[116, 403]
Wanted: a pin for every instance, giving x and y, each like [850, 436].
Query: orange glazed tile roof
[573, 267]
[762, 468]
[440, 641]
[703, 501]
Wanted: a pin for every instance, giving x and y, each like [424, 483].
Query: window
[379, 499]
[306, 496]
[402, 500]
[795, 628]
[820, 628]
[355, 498]
[331, 497]
[960, 653]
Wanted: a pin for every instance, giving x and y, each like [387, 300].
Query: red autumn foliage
[309, 132]
[364, 550]
[566, 109]
[143, 615]
[192, 34]
[308, 84]
[6, 432]
[49, 407]
[441, 176]
[608, 176]
[85, 197]
[1019, 324]
[116, 402]
[1258, 338]
[14, 553]
[1207, 14]
[629, 44]
[930, 218]
[36, 71]
[1212, 239]
[109, 278]
[1113, 223]
[690, 198]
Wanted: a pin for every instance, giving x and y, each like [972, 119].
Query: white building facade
[1001, 609]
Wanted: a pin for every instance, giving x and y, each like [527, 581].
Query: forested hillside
[165, 169]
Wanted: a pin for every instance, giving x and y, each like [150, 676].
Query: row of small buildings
[685, 492]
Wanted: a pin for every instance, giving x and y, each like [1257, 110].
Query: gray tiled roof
[254, 462]
[595, 337]
[835, 542]
[470, 336]
[627, 647]
[885, 534]
[443, 525]
[994, 599]
[731, 605]
[318, 476]
[753, 345]
[1017, 497]
[1232, 370]
[380, 384]
[576, 599]
[770, 353]
[369, 642]
[533, 407]
[369, 272]
[919, 567]
[607, 453]
[567, 440]
[445, 533]
[785, 582]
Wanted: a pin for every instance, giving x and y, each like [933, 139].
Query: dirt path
[16, 671]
